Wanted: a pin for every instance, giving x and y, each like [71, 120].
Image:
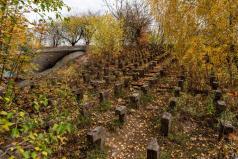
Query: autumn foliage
[199, 30]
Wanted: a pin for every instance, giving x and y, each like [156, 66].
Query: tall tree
[201, 28]
[72, 30]
[135, 16]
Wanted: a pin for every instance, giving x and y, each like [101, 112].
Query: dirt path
[130, 141]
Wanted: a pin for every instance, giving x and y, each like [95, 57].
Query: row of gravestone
[112, 70]
[133, 73]
[96, 140]
[166, 119]
[96, 136]
[134, 98]
[225, 127]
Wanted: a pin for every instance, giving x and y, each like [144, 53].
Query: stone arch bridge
[49, 57]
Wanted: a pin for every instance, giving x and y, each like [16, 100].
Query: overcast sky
[85, 5]
[78, 6]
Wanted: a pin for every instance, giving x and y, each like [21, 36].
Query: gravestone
[141, 72]
[212, 78]
[99, 75]
[135, 100]
[96, 138]
[153, 150]
[120, 64]
[84, 109]
[177, 91]
[106, 71]
[166, 123]
[127, 81]
[79, 94]
[135, 76]
[172, 103]
[180, 84]
[215, 85]
[220, 107]
[118, 88]
[182, 77]
[162, 72]
[103, 96]
[121, 112]
[225, 129]
[217, 95]
[145, 89]
[152, 81]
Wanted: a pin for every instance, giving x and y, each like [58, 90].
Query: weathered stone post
[220, 107]
[177, 91]
[217, 95]
[212, 78]
[166, 123]
[135, 100]
[127, 81]
[162, 72]
[215, 85]
[145, 89]
[153, 150]
[103, 96]
[180, 84]
[172, 103]
[225, 129]
[118, 89]
[121, 112]
[96, 138]
[86, 78]
[79, 94]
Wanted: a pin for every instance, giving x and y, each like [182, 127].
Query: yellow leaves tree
[88, 22]
[200, 28]
[108, 36]
[72, 30]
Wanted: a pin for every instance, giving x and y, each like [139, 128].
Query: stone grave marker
[220, 106]
[135, 100]
[121, 113]
[96, 138]
[177, 91]
[103, 96]
[215, 85]
[172, 103]
[225, 129]
[153, 150]
[217, 95]
[166, 123]
[118, 88]
[145, 89]
[180, 83]
[127, 81]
